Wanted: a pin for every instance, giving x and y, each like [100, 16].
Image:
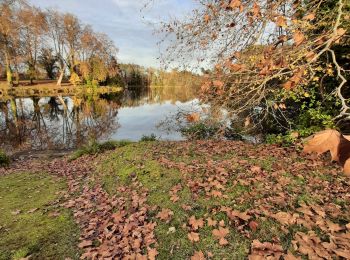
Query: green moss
[96, 148]
[36, 234]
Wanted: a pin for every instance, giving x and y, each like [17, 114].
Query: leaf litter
[307, 198]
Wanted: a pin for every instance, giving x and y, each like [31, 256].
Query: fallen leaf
[211, 222]
[165, 214]
[196, 223]
[192, 236]
[253, 225]
[198, 255]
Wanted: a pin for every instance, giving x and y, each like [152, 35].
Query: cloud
[127, 22]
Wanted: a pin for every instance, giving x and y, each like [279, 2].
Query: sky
[131, 29]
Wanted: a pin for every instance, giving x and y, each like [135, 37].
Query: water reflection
[67, 122]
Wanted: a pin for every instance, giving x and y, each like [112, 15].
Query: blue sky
[131, 30]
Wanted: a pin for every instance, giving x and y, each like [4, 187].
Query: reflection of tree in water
[138, 96]
[50, 124]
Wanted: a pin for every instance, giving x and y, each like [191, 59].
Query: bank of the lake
[181, 200]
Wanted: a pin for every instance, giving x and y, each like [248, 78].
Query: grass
[117, 168]
[95, 148]
[26, 229]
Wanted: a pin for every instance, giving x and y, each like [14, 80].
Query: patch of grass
[4, 159]
[96, 148]
[28, 232]
[149, 138]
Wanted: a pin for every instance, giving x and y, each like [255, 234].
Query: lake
[51, 122]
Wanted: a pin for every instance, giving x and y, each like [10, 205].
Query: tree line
[33, 41]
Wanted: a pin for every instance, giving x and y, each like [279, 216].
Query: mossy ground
[26, 227]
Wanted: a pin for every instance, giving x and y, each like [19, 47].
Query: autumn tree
[48, 60]
[266, 54]
[33, 26]
[9, 34]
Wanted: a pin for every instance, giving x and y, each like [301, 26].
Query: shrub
[199, 131]
[4, 159]
[95, 148]
[149, 138]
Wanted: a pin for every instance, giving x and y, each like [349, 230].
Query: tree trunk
[59, 81]
[8, 71]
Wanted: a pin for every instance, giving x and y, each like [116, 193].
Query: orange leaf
[152, 253]
[196, 223]
[198, 256]
[253, 225]
[256, 10]
[165, 214]
[194, 117]
[194, 237]
[298, 38]
[309, 17]
[281, 21]
[220, 233]
[211, 222]
[235, 4]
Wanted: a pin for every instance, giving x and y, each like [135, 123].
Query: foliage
[93, 148]
[4, 159]
[62, 40]
[260, 54]
[26, 228]
[148, 138]
[200, 131]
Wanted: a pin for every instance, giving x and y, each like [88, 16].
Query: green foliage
[94, 147]
[149, 138]
[284, 140]
[26, 229]
[4, 159]
[200, 131]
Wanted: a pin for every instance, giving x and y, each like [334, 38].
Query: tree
[48, 60]
[265, 52]
[33, 26]
[9, 34]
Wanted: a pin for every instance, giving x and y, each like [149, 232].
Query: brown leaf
[220, 233]
[193, 117]
[256, 10]
[235, 4]
[198, 255]
[342, 253]
[196, 223]
[324, 141]
[85, 243]
[309, 17]
[298, 38]
[256, 169]
[165, 214]
[253, 225]
[152, 253]
[194, 237]
[211, 222]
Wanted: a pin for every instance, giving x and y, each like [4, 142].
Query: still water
[40, 123]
